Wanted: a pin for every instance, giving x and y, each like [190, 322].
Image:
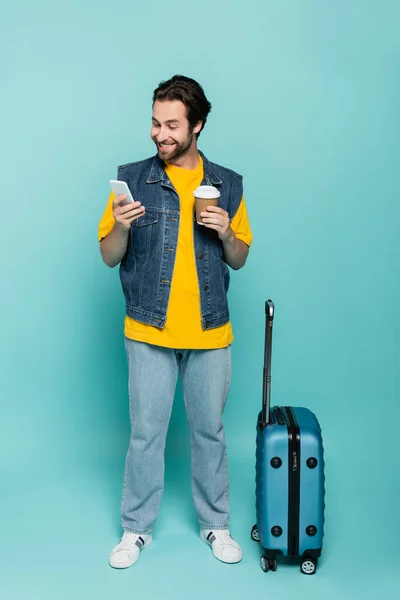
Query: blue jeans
[153, 374]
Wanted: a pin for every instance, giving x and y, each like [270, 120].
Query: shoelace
[128, 541]
[223, 537]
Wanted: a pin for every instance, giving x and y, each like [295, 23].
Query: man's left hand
[217, 218]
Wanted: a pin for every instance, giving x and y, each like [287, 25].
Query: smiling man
[175, 277]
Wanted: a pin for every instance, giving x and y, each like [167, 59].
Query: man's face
[171, 131]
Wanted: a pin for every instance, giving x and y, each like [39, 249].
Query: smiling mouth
[165, 146]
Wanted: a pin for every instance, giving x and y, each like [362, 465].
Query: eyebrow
[169, 120]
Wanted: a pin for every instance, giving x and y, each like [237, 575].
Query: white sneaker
[126, 553]
[223, 545]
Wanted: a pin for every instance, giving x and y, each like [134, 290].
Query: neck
[189, 160]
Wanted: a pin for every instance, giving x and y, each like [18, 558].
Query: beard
[178, 150]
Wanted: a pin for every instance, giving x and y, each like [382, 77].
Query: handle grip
[269, 309]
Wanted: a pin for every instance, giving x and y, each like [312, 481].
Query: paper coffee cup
[205, 195]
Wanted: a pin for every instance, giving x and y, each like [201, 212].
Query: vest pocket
[219, 275]
[144, 233]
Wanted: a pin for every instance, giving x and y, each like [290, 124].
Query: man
[175, 279]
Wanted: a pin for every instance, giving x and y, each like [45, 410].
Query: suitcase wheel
[268, 564]
[264, 564]
[308, 566]
[254, 534]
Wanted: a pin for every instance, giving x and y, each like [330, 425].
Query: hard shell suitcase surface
[289, 477]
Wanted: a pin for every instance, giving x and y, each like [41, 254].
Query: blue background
[306, 106]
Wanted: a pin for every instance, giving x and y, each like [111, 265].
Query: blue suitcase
[289, 477]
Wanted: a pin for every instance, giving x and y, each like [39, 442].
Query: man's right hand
[124, 215]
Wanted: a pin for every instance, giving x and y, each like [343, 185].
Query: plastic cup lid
[206, 191]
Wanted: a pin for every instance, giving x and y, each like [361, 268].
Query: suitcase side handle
[266, 400]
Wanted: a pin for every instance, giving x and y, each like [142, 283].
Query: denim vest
[147, 267]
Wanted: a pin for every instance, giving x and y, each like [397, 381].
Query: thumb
[117, 201]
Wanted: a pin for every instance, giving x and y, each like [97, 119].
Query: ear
[198, 127]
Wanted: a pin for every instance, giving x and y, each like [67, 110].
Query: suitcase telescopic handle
[266, 401]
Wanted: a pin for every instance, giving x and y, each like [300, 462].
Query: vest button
[201, 256]
[205, 288]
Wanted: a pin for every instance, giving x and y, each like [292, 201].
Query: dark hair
[190, 93]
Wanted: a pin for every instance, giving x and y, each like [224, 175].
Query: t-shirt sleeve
[107, 220]
[240, 224]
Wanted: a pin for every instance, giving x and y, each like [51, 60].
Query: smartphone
[121, 188]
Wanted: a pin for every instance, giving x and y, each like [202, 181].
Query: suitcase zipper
[294, 482]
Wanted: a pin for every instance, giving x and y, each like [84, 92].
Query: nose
[162, 135]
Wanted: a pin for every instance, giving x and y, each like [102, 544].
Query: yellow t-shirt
[182, 328]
